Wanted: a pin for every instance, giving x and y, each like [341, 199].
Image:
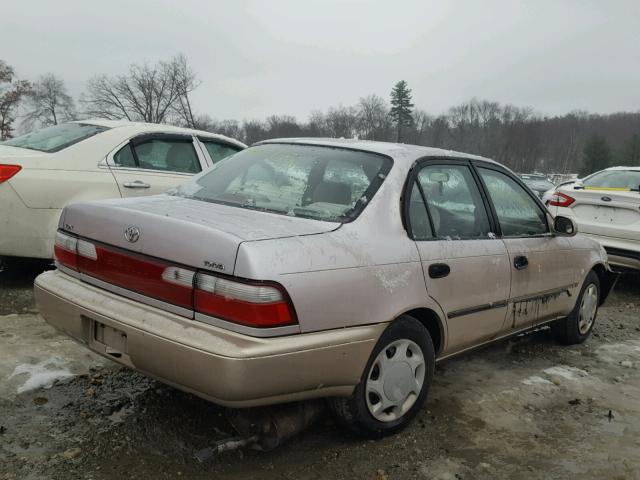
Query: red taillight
[254, 304]
[8, 171]
[65, 250]
[259, 305]
[146, 276]
[560, 199]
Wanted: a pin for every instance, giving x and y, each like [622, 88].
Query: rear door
[466, 267]
[153, 163]
[542, 273]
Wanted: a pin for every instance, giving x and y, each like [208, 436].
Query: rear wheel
[394, 384]
[577, 326]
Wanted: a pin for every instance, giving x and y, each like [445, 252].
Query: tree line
[161, 93]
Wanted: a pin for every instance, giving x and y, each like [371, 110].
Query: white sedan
[43, 171]
[606, 207]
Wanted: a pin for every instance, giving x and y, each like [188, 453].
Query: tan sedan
[311, 268]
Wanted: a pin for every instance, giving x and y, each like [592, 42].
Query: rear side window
[218, 151]
[519, 215]
[165, 155]
[56, 138]
[624, 179]
[418, 216]
[454, 202]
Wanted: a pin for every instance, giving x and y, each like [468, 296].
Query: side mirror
[564, 226]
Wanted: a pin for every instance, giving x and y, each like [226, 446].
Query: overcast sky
[256, 58]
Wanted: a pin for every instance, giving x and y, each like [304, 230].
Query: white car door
[153, 163]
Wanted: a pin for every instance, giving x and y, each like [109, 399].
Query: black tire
[353, 412]
[567, 330]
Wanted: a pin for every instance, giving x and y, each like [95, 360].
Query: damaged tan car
[309, 268]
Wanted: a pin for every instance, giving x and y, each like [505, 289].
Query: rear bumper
[224, 367]
[621, 252]
[24, 231]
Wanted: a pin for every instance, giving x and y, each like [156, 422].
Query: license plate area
[113, 340]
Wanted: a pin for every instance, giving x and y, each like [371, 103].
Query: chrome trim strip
[243, 329]
[526, 298]
[479, 308]
[537, 296]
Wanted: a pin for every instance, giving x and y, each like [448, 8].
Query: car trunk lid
[607, 212]
[184, 231]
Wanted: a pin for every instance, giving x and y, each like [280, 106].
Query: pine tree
[596, 155]
[401, 107]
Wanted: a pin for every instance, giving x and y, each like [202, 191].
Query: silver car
[309, 268]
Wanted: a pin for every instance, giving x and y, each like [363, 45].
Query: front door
[541, 271]
[152, 164]
[466, 267]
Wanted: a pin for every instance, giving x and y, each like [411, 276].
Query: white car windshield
[56, 138]
[625, 179]
[323, 183]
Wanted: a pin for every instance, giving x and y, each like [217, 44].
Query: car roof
[142, 127]
[398, 151]
[635, 169]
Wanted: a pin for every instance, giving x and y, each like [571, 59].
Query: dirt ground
[521, 409]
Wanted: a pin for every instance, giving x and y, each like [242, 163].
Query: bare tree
[12, 90]
[186, 82]
[48, 102]
[373, 114]
[148, 93]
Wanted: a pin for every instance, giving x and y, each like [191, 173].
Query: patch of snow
[566, 372]
[536, 380]
[42, 374]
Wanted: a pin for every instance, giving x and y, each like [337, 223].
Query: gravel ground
[525, 408]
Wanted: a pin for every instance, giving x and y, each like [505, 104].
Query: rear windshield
[329, 184]
[56, 138]
[625, 179]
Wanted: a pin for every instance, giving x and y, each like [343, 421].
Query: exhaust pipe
[272, 426]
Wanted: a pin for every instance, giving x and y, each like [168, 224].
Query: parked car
[43, 171]
[606, 207]
[537, 182]
[309, 268]
[546, 196]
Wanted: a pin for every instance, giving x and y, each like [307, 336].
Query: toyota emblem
[132, 234]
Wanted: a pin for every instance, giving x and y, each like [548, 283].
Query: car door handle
[136, 184]
[439, 270]
[520, 262]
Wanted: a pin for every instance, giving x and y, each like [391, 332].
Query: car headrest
[333, 192]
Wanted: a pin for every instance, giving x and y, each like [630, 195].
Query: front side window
[218, 151]
[56, 138]
[165, 155]
[329, 184]
[519, 215]
[623, 179]
[454, 202]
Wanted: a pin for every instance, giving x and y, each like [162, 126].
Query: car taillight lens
[8, 171]
[65, 250]
[560, 199]
[254, 304]
[258, 305]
